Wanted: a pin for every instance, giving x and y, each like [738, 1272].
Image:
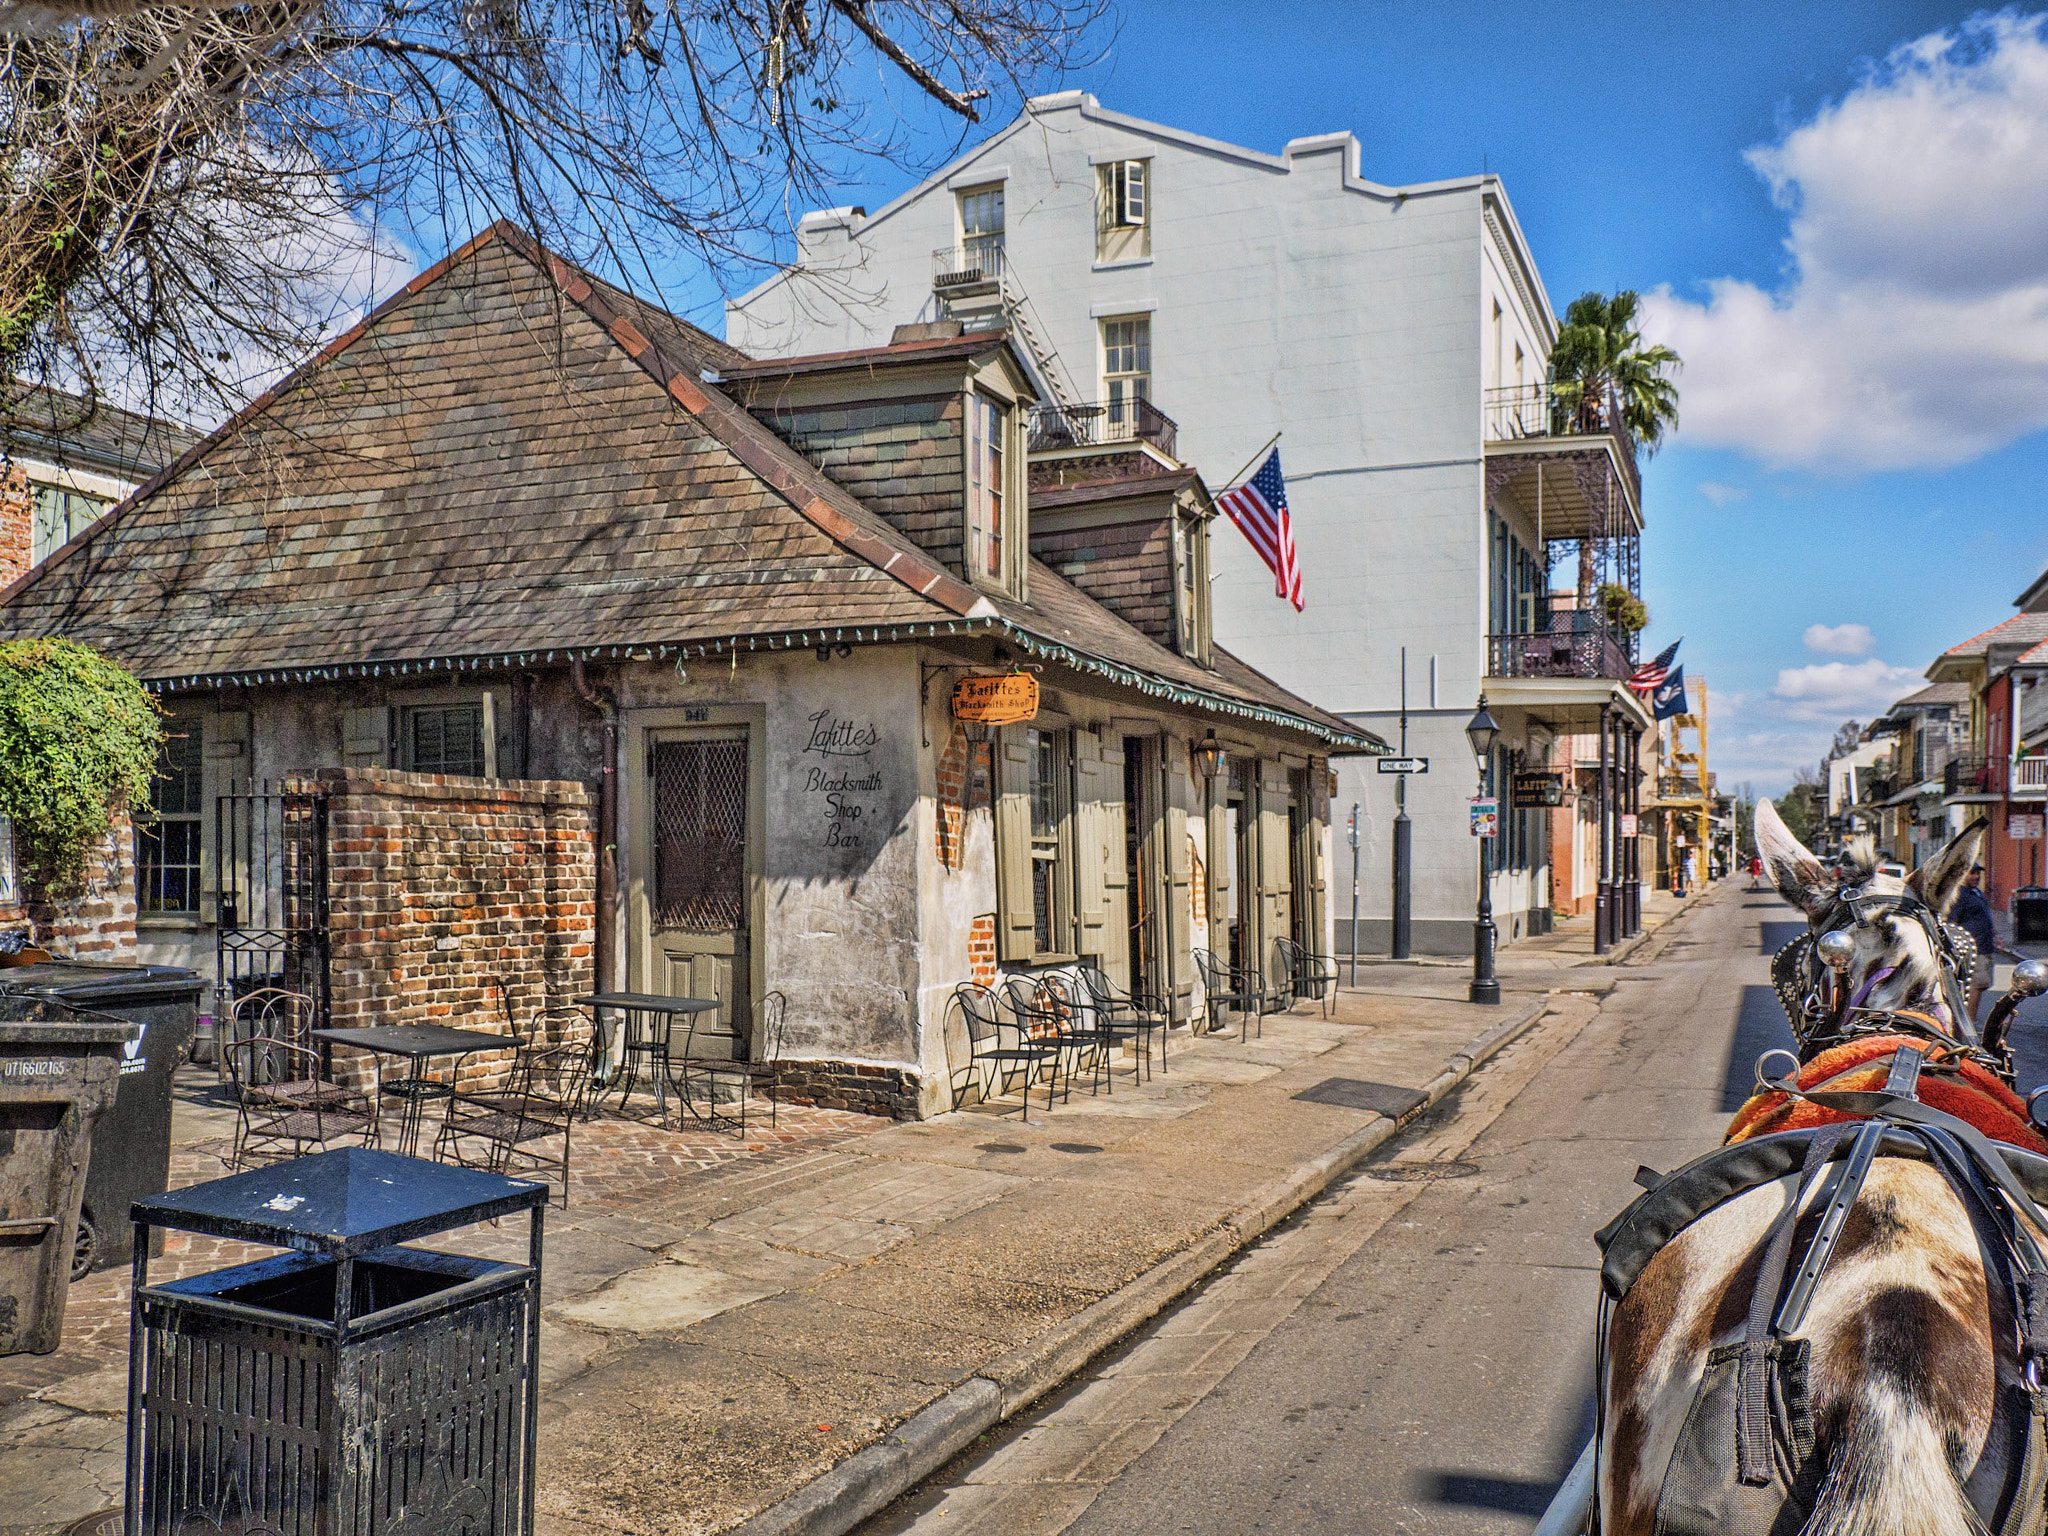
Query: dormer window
[989, 463]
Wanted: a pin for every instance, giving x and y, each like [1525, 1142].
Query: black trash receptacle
[58, 1069]
[352, 1385]
[2030, 915]
[132, 1158]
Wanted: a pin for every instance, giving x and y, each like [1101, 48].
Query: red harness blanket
[1954, 1085]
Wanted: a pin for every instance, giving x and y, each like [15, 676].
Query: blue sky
[1851, 244]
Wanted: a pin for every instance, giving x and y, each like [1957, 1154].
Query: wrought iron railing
[1087, 426]
[979, 260]
[1562, 650]
[1964, 774]
[1558, 410]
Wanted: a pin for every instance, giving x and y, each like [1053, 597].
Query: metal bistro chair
[990, 1058]
[1226, 987]
[1306, 968]
[1132, 1014]
[763, 1073]
[272, 1120]
[542, 1102]
[1046, 1009]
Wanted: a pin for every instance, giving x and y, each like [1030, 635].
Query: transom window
[167, 854]
[60, 516]
[1126, 367]
[1123, 223]
[988, 428]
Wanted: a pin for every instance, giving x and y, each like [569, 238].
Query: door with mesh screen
[697, 903]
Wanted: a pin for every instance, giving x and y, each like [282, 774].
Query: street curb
[1620, 955]
[871, 1479]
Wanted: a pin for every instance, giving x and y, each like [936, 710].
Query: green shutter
[1015, 930]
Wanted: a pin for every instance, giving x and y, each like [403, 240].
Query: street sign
[1404, 765]
[1628, 824]
[1485, 816]
[2023, 829]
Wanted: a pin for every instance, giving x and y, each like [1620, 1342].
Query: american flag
[1259, 508]
[1649, 677]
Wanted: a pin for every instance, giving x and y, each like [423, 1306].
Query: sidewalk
[726, 1322]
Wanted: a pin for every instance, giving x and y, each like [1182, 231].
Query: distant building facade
[1168, 287]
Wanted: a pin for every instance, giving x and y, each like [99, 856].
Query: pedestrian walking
[1972, 913]
[1756, 872]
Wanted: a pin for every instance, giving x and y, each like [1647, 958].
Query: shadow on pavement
[1511, 1495]
[1759, 1027]
[1772, 937]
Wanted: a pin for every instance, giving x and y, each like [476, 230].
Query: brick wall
[962, 780]
[96, 922]
[17, 524]
[449, 894]
[858, 1086]
[981, 950]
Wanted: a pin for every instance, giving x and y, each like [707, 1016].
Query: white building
[1398, 338]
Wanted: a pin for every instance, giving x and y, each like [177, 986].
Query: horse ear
[1940, 880]
[1796, 872]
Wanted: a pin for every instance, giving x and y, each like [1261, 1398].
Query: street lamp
[1483, 731]
[1209, 756]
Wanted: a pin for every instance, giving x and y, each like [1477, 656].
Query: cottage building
[1166, 286]
[672, 638]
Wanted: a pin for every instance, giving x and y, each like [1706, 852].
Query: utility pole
[1402, 833]
[1354, 893]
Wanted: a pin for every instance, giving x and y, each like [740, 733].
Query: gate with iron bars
[270, 891]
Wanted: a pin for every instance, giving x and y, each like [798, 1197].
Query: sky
[1838, 216]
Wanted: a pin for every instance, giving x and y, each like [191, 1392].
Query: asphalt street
[1424, 1363]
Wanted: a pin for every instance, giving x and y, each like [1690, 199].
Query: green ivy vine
[78, 742]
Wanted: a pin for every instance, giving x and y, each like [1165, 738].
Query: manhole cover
[998, 1146]
[1074, 1146]
[1419, 1173]
[106, 1523]
[1356, 1093]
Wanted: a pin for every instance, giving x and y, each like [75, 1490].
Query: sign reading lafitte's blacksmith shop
[1003, 700]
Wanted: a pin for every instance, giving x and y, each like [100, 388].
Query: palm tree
[1600, 354]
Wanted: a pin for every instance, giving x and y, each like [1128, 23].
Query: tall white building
[1398, 339]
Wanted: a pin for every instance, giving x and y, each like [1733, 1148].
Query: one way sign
[1404, 765]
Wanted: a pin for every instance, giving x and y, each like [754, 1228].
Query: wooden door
[697, 941]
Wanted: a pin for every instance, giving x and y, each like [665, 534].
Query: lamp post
[1482, 732]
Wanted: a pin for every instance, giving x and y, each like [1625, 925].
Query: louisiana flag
[1258, 506]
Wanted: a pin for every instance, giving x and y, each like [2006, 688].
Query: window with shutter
[1123, 210]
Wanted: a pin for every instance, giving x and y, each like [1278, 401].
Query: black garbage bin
[2030, 915]
[352, 1385]
[58, 1069]
[132, 1156]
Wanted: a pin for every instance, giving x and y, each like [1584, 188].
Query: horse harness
[1756, 1391]
[1813, 997]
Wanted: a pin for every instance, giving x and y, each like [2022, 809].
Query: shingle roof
[46, 424]
[2020, 629]
[1934, 693]
[459, 480]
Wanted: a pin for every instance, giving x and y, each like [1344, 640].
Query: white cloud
[1720, 495]
[1834, 690]
[1912, 326]
[1840, 639]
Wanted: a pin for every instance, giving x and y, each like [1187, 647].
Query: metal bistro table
[649, 1018]
[420, 1042]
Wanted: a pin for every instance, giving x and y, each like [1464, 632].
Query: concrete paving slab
[809, 1232]
[749, 1258]
[661, 1298]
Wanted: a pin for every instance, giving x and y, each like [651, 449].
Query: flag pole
[1248, 463]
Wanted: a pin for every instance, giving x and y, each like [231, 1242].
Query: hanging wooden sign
[1003, 700]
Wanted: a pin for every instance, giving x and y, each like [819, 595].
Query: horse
[1903, 1406]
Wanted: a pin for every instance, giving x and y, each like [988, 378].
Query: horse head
[1877, 944]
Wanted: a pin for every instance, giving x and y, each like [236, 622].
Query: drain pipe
[606, 703]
